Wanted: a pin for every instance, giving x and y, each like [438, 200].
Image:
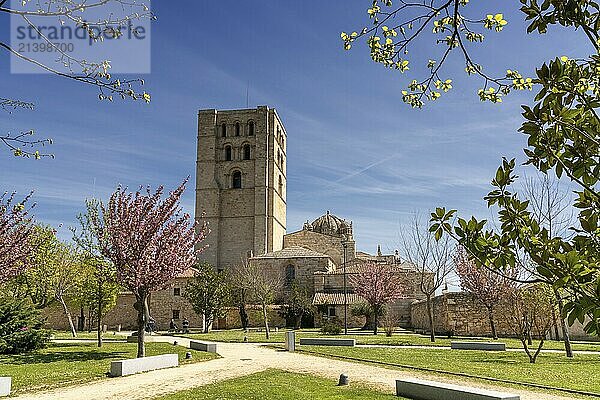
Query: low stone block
[203, 346]
[290, 341]
[488, 346]
[5, 383]
[327, 342]
[430, 390]
[136, 365]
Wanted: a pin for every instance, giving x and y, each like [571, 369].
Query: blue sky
[353, 147]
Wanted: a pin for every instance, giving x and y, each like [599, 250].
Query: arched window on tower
[246, 152]
[251, 128]
[228, 156]
[236, 180]
[223, 130]
[237, 129]
[280, 186]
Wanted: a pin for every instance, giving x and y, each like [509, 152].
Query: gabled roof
[293, 252]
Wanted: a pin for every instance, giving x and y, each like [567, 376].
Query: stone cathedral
[241, 193]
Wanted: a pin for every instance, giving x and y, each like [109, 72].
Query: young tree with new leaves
[488, 286]
[99, 288]
[297, 304]
[379, 284]
[208, 293]
[66, 273]
[148, 240]
[562, 129]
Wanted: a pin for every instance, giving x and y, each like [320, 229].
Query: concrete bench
[5, 383]
[135, 365]
[203, 346]
[429, 390]
[490, 346]
[327, 342]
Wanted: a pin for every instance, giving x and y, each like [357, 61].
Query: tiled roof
[293, 252]
[336, 298]
[189, 273]
[354, 266]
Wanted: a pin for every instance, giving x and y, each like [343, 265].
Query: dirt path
[241, 359]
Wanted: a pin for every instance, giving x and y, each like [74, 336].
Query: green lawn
[110, 335]
[398, 339]
[278, 385]
[556, 370]
[72, 363]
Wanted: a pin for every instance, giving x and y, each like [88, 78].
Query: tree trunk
[563, 325]
[67, 314]
[376, 319]
[89, 321]
[243, 316]
[141, 305]
[81, 322]
[99, 318]
[298, 322]
[266, 319]
[555, 326]
[430, 316]
[207, 322]
[492, 324]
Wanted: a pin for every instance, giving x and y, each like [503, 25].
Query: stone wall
[255, 317]
[324, 244]
[304, 268]
[459, 313]
[462, 314]
[162, 305]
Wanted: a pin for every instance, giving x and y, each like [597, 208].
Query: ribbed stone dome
[330, 224]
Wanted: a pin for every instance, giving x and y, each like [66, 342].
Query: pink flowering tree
[16, 230]
[149, 241]
[488, 286]
[378, 284]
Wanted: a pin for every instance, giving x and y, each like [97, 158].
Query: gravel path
[240, 359]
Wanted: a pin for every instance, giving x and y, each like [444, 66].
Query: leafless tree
[95, 73]
[431, 258]
[529, 313]
[551, 204]
[262, 285]
[489, 287]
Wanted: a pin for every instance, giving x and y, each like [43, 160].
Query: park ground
[79, 368]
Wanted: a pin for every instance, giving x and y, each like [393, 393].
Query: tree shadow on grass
[68, 356]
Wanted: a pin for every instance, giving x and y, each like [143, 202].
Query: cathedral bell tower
[241, 183]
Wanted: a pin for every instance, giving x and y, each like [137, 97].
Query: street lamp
[345, 293]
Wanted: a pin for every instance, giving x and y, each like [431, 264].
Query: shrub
[332, 326]
[20, 328]
[390, 320]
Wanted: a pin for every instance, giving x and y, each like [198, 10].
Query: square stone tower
[241, 183]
